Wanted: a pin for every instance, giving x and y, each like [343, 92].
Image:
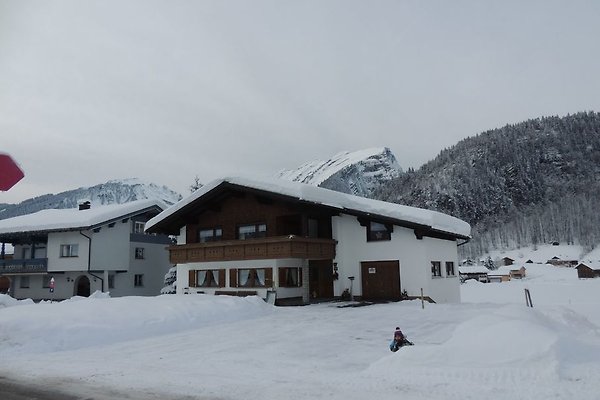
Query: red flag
[10, 173]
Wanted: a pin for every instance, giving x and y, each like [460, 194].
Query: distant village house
[588, 270]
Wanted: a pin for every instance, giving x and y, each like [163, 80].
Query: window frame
[138, 280]
[212, 238]
[69, 250]
[380, 234]
[137, 225]
[139, 253]
[252, 278]
[450, 272]
[24, 282]
[257, 233]
[436, 269]
[284, 274]
[211, 278]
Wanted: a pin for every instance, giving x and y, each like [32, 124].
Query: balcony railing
[24, 266]
[254, 249]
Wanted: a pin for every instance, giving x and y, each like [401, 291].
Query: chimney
[85, 205]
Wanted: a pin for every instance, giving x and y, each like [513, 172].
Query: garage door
[380, 280]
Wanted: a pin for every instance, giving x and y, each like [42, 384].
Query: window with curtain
[253, 277]
[210, 235]
[209, 278]
[252, 231]
[290, 277]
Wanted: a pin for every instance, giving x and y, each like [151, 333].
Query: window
[436, 268]
[210, 235]
[208, 278]
[24, 282]
[69, 250]
[449, 268]
[377, 231]
[251, 277]
[290, 277]
[46, 281]
[139, 253]
[138, 280]
[138, 227]
[111, 281]
[252, 231]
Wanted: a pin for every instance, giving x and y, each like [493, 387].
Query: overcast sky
[168, 90]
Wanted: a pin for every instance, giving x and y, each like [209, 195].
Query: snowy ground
[491, 346]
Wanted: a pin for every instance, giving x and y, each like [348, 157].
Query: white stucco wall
[58, 263]
[110, 247]
[414, 256]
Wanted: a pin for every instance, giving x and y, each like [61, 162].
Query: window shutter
[192, 278]
[221, 278]
[269, 277]
[233, 278]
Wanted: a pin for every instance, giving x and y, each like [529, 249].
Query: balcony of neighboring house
[289, 246]
[23, 266]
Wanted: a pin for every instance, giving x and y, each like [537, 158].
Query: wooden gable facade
[282, 228]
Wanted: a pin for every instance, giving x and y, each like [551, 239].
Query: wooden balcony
[254, 249]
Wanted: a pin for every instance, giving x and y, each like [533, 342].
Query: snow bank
[85, 322]
[7, 301]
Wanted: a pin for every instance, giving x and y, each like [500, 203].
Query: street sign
[52, 285]
[10, 173]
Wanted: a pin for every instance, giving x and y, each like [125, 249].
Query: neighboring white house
[79, 251]
[302, 243]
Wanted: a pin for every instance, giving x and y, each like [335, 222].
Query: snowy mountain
[524, 184]
[111, 192]
[358, 173]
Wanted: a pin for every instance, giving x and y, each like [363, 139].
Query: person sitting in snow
[399, 340]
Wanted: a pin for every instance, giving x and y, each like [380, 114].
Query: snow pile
[100, 320]
[7, 301]
[198, 346]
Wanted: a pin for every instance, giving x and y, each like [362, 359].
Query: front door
[82, 286]
[320, 279]
[380, 280]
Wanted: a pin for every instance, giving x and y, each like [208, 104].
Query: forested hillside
[529, 183]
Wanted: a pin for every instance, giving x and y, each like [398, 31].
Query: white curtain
[216, 276]
[200, 276]
[260, 276]
[246, 280]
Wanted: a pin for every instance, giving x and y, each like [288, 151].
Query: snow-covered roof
[505, 270]
[473, 269]
[341, 201]
[73, 218]
[591, 264]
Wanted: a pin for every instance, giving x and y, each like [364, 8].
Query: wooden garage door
[380, 280]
